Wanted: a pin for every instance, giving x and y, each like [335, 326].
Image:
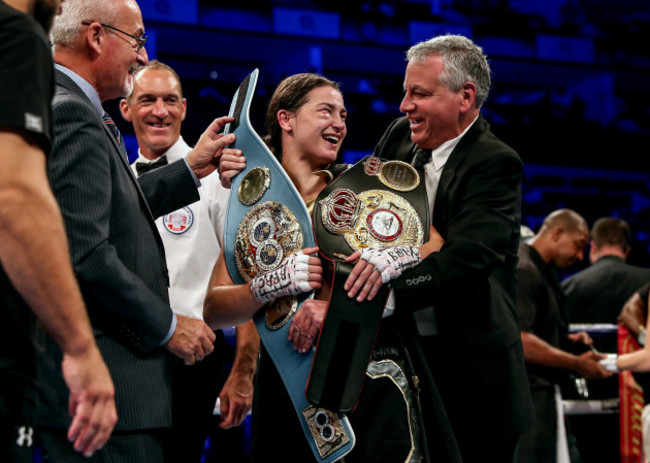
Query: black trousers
[144, 446]
[539, 444]
[194, 392]
[17, 443]
[17, 436]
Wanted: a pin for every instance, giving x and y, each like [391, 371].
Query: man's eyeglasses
[140, 41]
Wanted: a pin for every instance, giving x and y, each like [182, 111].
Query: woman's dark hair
[290, 95]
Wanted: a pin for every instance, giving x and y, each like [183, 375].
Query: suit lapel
[406, 152]
[67, 83]
[456, 159]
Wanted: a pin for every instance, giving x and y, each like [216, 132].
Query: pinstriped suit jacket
[118, 258]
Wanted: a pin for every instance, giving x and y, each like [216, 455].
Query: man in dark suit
[116, 250]
[463, 298]
[597, 293]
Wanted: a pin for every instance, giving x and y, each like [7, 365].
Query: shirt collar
[441, 154]
[85, 87]
[175, 152]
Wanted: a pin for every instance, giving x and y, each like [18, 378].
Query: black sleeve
[643, 293]
[26, 79]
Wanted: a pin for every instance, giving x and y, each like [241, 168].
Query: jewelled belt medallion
[268, 233]
[373, 218]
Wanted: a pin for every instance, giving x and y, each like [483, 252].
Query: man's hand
[589, 366]
[92, 400]
[581, 336]
[236, 399]
[204, 158]
[232, 162]
[192, 340]
[306, 324]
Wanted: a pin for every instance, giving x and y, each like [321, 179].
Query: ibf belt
[267, 221]
[375, 203]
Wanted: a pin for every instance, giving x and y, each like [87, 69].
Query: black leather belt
[375, 203]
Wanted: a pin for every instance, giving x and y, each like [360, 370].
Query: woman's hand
[306, 324]
[231, 163]
[299, 273]
[377, 266]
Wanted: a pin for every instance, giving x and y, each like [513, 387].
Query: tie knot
[421, 158]
[142, 167]
[108, 120]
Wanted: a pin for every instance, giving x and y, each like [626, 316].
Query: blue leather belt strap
[329, 434]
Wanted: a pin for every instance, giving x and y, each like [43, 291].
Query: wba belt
[266, 222]
[375, 203]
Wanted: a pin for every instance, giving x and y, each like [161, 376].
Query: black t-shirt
[26, 89]
[27, 77]
[542, 310]
[643, 293]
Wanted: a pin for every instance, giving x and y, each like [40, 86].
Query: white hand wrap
[392, 261]
[641, 337]
[609, 363]
[291, 277]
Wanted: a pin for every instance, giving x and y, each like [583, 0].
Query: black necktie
[108, 120]
[421, 158]
[142, 167]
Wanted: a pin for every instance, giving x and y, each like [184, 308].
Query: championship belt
[267, 221]
[375, 203]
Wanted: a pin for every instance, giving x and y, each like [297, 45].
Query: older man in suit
[462, 300]
[116, 250]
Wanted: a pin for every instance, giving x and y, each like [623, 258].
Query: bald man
[544, 324]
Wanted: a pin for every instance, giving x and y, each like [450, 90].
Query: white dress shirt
[432, 173]
[433, 168]
[192, 236]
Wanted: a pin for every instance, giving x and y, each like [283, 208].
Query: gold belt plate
[373, 218]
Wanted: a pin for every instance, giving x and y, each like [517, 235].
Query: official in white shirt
[192, 237]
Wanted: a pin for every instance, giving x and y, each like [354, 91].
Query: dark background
[570, 81]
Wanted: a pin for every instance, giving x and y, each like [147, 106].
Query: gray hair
[67, 26]
[464, 62]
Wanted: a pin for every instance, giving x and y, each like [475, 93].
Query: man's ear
[557, 233]
[95, 38]
[125, 109]
[184, 109]
[467, 96]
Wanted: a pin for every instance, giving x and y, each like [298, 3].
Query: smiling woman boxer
[306, 122]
